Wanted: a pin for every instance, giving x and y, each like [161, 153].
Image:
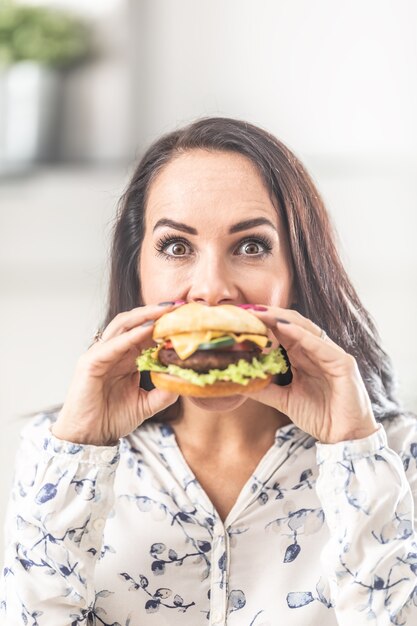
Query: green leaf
[48, 36]
[219, 342]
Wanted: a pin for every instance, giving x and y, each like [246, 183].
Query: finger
[273, 395]
[289, 316]
[127, 320]
[104, 355]
[157, 400]
[269, 315]
[324, 353]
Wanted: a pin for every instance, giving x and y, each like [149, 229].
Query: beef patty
[205, 360]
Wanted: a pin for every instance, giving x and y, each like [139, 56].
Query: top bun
[194, 317]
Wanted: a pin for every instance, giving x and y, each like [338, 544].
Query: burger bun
[197, 317]
[183, 387]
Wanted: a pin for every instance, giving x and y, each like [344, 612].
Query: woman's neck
[226, 426]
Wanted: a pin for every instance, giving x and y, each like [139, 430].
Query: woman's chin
[226, 403]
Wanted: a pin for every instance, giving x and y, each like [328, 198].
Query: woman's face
[212, 235]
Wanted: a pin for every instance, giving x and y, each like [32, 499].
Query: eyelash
[167, 239]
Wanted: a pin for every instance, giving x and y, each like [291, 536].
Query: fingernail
[167, 303]
[179, 302]
[281, 321]
[148, 323]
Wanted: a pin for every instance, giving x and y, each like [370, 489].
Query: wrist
[353, 434]
[77, 436]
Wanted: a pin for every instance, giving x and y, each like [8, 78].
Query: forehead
[200, 184]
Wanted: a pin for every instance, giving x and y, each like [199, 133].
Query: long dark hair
[324, 292]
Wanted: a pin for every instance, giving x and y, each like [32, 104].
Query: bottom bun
[216, 390]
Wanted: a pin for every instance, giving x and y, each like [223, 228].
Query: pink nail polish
[179, 302]
[255, 307]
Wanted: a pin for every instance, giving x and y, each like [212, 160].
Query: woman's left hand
[327, 397]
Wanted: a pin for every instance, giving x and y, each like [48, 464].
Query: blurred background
[84, 91]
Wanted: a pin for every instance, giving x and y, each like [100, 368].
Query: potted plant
[37, 44]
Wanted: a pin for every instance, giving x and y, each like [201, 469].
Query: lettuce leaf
[241, 372]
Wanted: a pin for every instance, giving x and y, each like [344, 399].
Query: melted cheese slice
[185, 344]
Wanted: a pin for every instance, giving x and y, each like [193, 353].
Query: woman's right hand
[104, 401]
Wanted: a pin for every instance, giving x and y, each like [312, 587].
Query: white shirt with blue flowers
[126, 536]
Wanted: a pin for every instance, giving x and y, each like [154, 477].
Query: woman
[293, 505]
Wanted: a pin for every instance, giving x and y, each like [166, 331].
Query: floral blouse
[126, 536]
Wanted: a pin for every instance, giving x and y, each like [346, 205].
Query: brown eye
[257, 247]
[178, 249]
[170, 248]
[251, 248]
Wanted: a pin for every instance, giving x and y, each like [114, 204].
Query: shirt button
[99, 523]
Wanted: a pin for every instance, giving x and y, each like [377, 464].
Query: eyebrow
[236, 228]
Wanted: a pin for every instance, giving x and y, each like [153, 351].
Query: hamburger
[211, 351]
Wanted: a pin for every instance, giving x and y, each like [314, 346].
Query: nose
[212, 282]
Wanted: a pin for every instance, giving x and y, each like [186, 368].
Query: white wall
[328, 77]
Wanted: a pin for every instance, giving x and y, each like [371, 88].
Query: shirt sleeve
[61, 497]
[371, 556]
